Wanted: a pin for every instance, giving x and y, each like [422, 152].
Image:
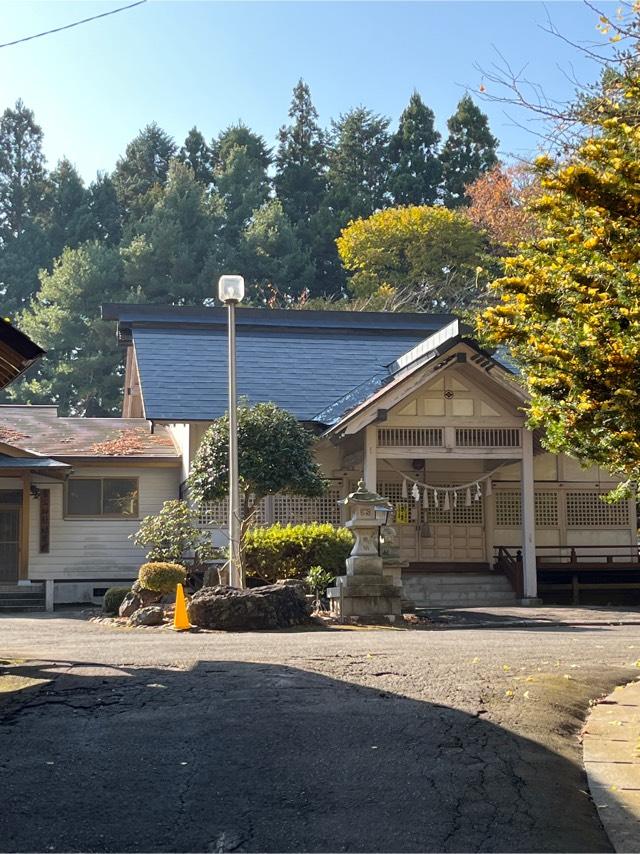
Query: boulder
[153, 615]
[276, 606]
[138, 597]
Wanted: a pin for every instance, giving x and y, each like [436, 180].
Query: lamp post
[231, 292]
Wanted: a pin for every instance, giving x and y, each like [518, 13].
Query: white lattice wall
[583, 509]
[588, 510]
[285, 509]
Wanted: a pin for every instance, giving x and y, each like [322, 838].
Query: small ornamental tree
[569, 307]
[274, 456]
[171, 533]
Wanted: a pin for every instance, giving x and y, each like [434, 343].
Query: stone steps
[19, 597]
[457, 590]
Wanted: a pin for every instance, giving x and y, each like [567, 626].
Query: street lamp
[231, 292]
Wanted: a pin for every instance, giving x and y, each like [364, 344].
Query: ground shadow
[236, 756]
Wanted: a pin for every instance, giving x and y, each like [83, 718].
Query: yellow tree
[434, 257]
[569, 304]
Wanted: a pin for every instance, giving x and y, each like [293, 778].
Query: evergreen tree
[470, 150]
[145, 166]
[68, 219]
[23, 242]
[272, 258]
[22, 172]
[105, 210]
[174, 256]
[416, 170]
[358, 164]
[301, 159]
[196, 153]
[83, 369]
[241, 161]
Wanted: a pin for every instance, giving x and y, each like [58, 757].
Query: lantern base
[365, 595]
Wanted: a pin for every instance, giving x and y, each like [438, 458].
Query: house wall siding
[96, 548]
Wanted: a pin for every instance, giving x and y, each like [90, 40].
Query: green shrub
[171, 533]
[318, 579]
[113, 599]
[161, 577]
[289, 551]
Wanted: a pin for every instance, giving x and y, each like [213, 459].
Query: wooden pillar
[23, 568]
[370, 475]
[528, 518]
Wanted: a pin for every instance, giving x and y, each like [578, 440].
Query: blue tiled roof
[183, 371]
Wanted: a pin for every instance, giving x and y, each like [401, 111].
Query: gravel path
[335, 740]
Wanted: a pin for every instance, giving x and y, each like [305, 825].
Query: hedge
[113, 599]
[161, 577]
[289, 551]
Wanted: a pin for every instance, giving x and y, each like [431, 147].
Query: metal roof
[31, 463]
[40, 430]
[301, 360]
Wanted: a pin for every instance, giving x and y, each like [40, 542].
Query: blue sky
[211, 63]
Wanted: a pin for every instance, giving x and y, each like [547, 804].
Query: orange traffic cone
[180, 618]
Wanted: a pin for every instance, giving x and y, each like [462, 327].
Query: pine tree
[470, 150]
[22, 172]
[358, 164]
[301, 159]
[83, 370]
[174, 256]
[23, 242]
[272, 259]
[241, 161]
[145, 166]
[197, 154]
[106, 213]
[413, 151]
[68, 220]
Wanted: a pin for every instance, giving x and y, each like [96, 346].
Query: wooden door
[456, 534]
[9, 544]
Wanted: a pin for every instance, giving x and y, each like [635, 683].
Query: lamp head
[230, 288]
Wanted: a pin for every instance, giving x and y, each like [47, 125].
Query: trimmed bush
[161, 577]
[113, 599]
[289, 551]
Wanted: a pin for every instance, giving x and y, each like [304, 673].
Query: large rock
[275, 606]
[151, 616]
[138, 597]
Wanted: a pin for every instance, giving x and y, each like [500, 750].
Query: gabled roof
[301, 360]
[39, 430]
[17, 353]
[435, 353]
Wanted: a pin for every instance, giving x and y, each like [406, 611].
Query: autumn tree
[499, 204]
[433, 254]
[569, 308]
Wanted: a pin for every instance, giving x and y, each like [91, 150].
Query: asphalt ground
[362, 739]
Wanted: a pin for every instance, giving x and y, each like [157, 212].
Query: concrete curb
[611, 748]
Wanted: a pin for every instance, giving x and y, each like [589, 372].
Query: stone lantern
[365, 591]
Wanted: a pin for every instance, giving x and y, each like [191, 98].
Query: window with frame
[111, 497]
